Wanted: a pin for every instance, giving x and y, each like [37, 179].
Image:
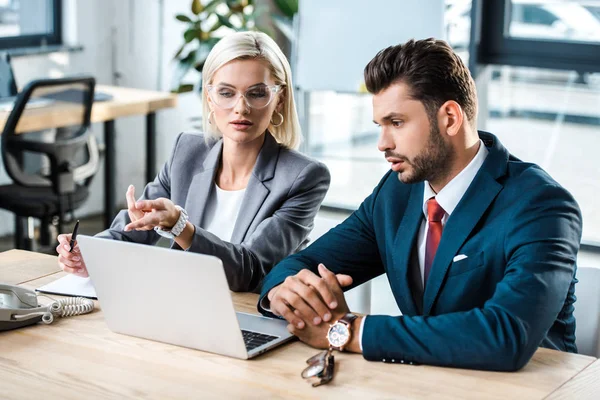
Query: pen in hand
[74, 236]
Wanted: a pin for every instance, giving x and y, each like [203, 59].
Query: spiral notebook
[70, 285]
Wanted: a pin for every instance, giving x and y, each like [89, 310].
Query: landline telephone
[19, 307]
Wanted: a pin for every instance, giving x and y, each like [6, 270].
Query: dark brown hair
[432, 70]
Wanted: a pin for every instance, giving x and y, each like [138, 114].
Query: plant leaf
[197, 7]
[183, 18]
[190, 34]
[178, 53]
[287, 7]
[183, 88]
[224, 21]
[216, 26]
[181, 69]
[235, 5]
[198, 67]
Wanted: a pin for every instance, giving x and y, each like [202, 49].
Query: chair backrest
[8, 85]
[587, 311]
[64, 104]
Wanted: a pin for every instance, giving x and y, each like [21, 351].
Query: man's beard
[433, 163]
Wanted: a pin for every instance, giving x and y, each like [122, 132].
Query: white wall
[122, 45]
[337, 38]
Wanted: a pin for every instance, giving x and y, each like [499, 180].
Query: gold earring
[281, 122]
[211, 113]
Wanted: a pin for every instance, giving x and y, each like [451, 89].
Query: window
[551, 118]
[28, 23]
[531, 14]
[539, 86]
[549, 34]
[340, 131]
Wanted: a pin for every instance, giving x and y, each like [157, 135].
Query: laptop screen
[8, 86]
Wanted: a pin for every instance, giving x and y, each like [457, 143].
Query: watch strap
[347, 319]
[180, 224]
[177, 228]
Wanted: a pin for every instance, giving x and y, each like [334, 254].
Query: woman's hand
[134, 213]
[150, 213]
[70, 262]
[147, 214]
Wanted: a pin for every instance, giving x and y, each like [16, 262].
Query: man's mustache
[391, 154]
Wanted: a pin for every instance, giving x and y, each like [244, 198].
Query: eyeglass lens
[321, 366]
[255, 97]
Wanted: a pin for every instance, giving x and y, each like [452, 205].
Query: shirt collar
[451, 194]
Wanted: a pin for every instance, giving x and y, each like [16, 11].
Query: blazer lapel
[256, 191]
[478, 197]
[403, 245]
[203, 184]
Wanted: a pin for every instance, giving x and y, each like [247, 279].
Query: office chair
[64, 160]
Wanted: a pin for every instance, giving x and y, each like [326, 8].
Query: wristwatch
[339, 333]
[177, 228]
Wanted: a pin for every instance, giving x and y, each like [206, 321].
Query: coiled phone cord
[63, 308]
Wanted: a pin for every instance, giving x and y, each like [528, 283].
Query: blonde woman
[239, 191]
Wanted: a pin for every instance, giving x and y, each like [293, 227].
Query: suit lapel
[257, 191]
[403, 245]
[478, 197]
[203, 184]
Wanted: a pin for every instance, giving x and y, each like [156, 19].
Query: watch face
[338, 334]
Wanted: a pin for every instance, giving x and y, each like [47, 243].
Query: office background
[538, 78]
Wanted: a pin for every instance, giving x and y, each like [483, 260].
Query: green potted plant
[205, 26]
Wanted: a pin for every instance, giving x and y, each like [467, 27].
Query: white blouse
[222, 211]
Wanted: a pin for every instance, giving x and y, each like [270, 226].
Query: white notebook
[70, 285]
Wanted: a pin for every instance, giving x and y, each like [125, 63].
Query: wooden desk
[585, 385]
[78, 357]
[125, 102]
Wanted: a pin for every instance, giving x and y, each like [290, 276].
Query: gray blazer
[281, 200]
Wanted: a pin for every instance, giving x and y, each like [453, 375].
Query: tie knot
[435, 212]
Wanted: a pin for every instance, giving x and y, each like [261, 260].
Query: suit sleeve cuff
[360, 333]
[265, 304]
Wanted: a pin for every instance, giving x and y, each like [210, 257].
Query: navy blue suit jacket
[520, 231]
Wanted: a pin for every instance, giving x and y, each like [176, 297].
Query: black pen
[74, 236]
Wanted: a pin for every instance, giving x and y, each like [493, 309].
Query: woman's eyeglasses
[256, 97]
[320, 366]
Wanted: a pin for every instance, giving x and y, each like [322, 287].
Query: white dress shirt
[448, 198]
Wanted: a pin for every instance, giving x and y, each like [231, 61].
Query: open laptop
[174, 297]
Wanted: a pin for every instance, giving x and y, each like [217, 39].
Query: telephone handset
[19, 307]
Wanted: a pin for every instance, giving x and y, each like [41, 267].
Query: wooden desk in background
[125, 102]
[78, 357]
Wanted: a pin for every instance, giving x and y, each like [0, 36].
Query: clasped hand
[308, 301]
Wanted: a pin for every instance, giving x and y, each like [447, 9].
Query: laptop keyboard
[255, 339]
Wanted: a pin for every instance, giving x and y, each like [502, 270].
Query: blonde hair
[259, 46]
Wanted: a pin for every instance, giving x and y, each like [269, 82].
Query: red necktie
[435, 213]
